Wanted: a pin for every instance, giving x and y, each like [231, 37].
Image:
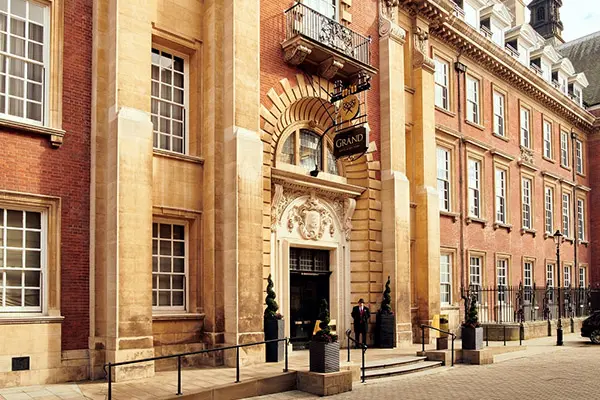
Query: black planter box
[274, 329]
[385, 331]
[324, 357]
[472, 338]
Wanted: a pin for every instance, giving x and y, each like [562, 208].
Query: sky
[579, 18]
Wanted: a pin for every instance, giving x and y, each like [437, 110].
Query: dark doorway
[309, 283]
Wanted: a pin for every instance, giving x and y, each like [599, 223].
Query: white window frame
[185, 105]
[567, 275]
[528, 279]
[475, 270]
[323, 3]
[473, 99]
[474, 185]
[525, 125]
[547, 128]
[499, 113]
[578, 156]
[580, 219]
[45, 64]
[549, 209]
[582, 276]
[442, 83]
[564, 149]
[500, 214]
[185, 307]
[22, 311]
[550, 279]
[566, 214]
[444, 175]
[502, 278]
[446, 278]
[526, 211]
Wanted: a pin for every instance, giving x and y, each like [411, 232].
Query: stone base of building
[72, 366]
[531, 329]
[324, 384]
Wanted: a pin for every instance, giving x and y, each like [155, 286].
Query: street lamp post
[559, 332]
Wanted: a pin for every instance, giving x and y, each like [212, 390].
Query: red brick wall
[486, 238]
[594, 207]
[29, 164]
[273, 67]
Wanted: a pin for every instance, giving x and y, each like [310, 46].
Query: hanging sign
[349, 108]
[350, 142]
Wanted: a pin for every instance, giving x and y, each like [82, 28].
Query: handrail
[423, 326]
[191, 353]
[364, 350]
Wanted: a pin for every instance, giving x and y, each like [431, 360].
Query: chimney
[517, 8]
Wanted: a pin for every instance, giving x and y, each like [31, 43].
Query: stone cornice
[308, 183]
[452, 30]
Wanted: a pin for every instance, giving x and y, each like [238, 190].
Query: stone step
[404, 369]
[392, 362]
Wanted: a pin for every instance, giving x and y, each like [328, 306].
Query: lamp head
[558, 236]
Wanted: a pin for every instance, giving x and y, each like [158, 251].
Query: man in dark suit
[360, 315]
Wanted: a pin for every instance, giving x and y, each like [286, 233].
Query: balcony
[536, 69]
[511, 50]
[485, 31]
[324, 46]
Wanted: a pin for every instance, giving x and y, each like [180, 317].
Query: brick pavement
[543, 371]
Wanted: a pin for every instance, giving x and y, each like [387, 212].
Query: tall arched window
[304, 148]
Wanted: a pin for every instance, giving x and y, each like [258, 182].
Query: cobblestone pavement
[569, 372]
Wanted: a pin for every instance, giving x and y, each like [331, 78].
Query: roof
[584, 54]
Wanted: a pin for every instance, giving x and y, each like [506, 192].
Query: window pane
[33, 220]
[178, 265]
[177, 281]
[33, 240]
[13, 298]
[14, 218]
[286, 154]
[32, 259]
[14, 238]
[310, 155]
[178, 298]
[14, 258]
[178, 248]
[164, 282]
[32, 279]
[164, 299]
[13, 278]
[165, 264]
[178, 232]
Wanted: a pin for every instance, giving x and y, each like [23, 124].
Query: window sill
[584, 242]
[450, 214]
[475, 125]
[548, 235]
[447, 112]
[177, 316]
[565, 167]
[529, 231]
[55, 135]
[502, 225]
[570, 240]
[500, 137]
[476, 220]
[30, 319]
[178, 156]
[449, 307]
[549, 159]
[581, 174]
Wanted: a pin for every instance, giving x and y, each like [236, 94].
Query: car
[591, 327]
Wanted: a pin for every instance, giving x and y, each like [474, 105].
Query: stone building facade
[212, 129]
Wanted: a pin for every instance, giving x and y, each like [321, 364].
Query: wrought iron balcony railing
[304, 21]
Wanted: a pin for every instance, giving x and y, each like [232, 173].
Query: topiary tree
[472, 318]
[272, 306]
[386, 307]
[324, 334]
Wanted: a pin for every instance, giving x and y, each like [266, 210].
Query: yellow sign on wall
[349, 107]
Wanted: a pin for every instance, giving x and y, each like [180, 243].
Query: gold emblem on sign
[349, 107]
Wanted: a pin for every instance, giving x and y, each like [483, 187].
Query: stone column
[427, 218]
[243, 178]
[122, 189]
[395, 194]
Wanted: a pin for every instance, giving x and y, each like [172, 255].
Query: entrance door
[309, 284]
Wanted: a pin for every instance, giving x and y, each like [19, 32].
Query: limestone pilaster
[242, 177]
[122, 189]
[427, 238]
[395, 193]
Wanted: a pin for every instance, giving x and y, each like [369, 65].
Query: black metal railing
[364, 350]
[193, 353]
[303, 20]
[514, 304]
[423, 327]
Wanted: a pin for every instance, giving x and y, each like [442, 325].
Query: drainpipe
[460, 69]
[575, 273]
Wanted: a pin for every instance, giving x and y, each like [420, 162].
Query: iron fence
[303, 20]
[515, 304]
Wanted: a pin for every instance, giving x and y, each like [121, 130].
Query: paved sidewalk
[164, 384]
